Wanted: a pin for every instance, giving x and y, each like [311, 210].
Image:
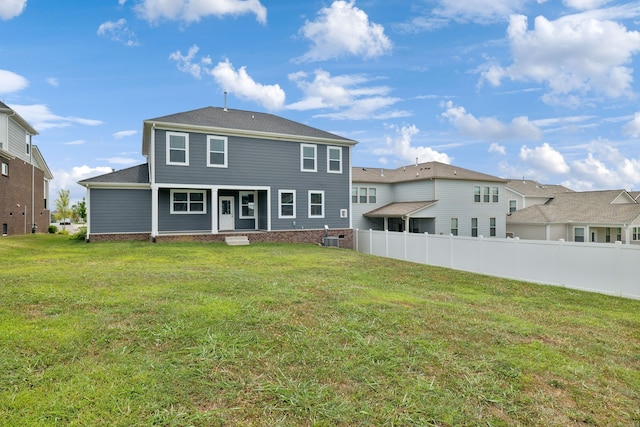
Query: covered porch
[404, 216]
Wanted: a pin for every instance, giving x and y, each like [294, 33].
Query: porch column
[154, 211]
[214, 211]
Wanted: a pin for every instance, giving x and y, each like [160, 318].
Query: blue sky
[546, 90]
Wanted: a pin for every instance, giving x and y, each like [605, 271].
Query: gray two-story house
[213, 171]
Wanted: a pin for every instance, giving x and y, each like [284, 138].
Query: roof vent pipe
[225, 100]
[416, 162]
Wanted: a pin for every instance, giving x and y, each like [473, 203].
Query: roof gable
[134, 175]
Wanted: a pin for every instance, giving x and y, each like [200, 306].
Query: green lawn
[201, 334]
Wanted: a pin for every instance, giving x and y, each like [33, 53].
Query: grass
[196, 334]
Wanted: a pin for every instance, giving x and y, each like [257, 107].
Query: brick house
[24, 177]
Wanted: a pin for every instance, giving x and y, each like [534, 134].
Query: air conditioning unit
[343, 213]
[331, 241]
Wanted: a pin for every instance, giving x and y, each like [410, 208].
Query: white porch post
[154, 211]
[214, 211]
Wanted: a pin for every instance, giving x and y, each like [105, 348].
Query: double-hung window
[354, 194]
[316, 204]
[188, 201]
[372, 195]
[474, 227]
[363, 195]
[492, 227]
[513, 205]
[177, 148]
[287, 203]
[5, 169]
[495, 195]
[217, 151]
[476, 194]
[454, 226]
[487, 194]
[334, 159]
[578, 234]
[308, 157]
[247, 205]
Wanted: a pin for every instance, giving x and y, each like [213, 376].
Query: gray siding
[384, 196]
[18, 141]
[187, 222]
[259, 163]
[119, 210]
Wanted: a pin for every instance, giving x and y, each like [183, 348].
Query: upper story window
[487, 195]
[5, 169]
[476, 193]
[28, 146]
[308, 157]
[247, 205]
[316, 204]
[496, 195]
[184, 202]
[513, 205]
[363, 195]
[287, 203]
[334, 159]
[177, 148]
[217, 151]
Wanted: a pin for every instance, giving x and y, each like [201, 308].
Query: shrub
[81, 234]
[52, 229]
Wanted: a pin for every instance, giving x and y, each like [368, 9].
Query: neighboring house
[523, 193]
[214, 171]
[589, 216]
[24, 177]
[431, 197]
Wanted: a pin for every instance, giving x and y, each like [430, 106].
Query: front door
[226, 213]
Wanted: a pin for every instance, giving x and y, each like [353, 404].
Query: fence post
[405, 246]
[356, 245]
[426, 247]
[451, 251]
[370, 241]
[386, 243]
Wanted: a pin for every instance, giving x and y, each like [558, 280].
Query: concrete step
[236, 240]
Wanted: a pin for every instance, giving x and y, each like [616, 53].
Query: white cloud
[633, 127]
[605, 167]
[239, 83]
[193, 10]
[186, 62]
[574, 55]
[347, 94]
[53, 81]
[490, 127]
[11, 82]
[11, 8]
[497, 148]
[119, 32]
[399, 145]
[40, 117]
[342, 29]
[75, 142]
[478, 11]
[68, 179]
[124, 134]
[585, 4]
[544, 158]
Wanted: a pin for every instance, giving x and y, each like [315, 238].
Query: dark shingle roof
[133, 175]
[422, 171]
[249, 121]
[530, 188]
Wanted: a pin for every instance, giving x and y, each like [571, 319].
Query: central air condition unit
[330, 241]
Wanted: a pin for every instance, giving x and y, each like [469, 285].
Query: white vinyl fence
[606, 268]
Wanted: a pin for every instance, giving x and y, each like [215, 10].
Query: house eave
[149, 125]
[116, 185]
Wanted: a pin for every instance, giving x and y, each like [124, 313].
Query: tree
[62, 207]
[80, 210]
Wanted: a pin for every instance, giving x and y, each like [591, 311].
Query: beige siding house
[589, 216]
[523, 193]
[430, 197]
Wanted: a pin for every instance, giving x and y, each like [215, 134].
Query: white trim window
[492, 227]
[372, 195]
[316, 204]
[308, 157]
[334, 159]
[486, 196]
[177, 148]
[5, 169]
[286, 203]
[217, 152]
[495, 197]
[247, 205]
[578, 234]
[354, 194]
[188, 202]
[454, 226]
[474, 227]
[513, 205]
[476, 193]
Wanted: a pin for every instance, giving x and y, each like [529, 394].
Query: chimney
[225, 100]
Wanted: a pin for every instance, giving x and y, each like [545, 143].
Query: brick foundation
[286, 236]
